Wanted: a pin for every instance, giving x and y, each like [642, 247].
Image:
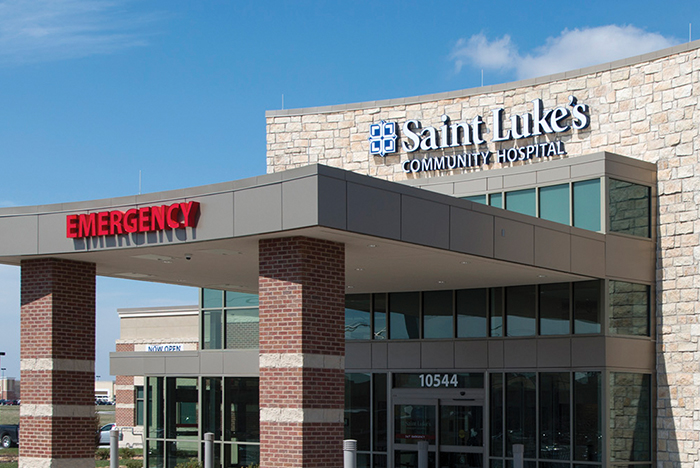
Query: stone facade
[645, 108]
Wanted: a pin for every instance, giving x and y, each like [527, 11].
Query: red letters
[72, 226]
[144, 219]
[86, 225]
[158, 218]
[130, 221]
[173, 213]
[103, 223]
[189, 212]
[115, 222]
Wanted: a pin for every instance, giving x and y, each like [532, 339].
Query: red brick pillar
[302, 347]
[57, 364]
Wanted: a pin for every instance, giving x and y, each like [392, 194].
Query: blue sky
[92, 92]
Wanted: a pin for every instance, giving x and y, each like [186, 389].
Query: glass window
[404, 316]
[522, 201]
[555, 415]
[554, 309]
[155, 457]
[461, 425]
[211, 329]
[139, 405]
[413, 423]
[496, 199]
[242, 328]
[630, 416]
[437, 314]
[380, 324]
[587, 420]
[181, 451]
[241, 409]
[476, 199]
[363, 460]
[554, 203]
[357, 409]
[629, 308]
[155, 410]
[587, 204]
[586, 307]
[212, 298]
[629, 208]
[182, 399]
[496, 312]
[471, 313]
[379, 461]
[496, 414]
[520, 311]
[240, 455]
[460, 459]
[379, 408]
[211, 406]
[238, 299]
[521, 412]
[357, 317]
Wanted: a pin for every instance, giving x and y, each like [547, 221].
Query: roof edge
[648, 57]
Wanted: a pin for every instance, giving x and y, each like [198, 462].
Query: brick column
[57, 364]
[124, 392]
[302, 347]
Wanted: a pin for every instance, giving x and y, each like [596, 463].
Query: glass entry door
[414, 421]
[453, 429]
[461, 435]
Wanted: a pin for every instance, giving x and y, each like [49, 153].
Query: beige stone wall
[173, 329]
[646, 110]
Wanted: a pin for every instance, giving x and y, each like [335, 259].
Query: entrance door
[415, 420]
[453, 428]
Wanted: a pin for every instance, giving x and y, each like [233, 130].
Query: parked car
[103, 433]
[9, 435]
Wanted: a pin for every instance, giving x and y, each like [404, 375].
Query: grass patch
[106, 413]
[9, 414]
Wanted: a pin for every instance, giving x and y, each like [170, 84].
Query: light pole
[2, 388]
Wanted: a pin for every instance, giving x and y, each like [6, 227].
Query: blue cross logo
[382, 138]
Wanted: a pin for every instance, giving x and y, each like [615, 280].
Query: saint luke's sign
[451, 135]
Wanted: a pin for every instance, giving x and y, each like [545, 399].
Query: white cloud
[47, 30]
[478, 51]
[572, 49]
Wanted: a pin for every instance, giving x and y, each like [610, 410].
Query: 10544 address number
[438, 380]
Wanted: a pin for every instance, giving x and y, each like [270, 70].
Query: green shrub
[102, 454]
[133, 463]
[126, 453]
[191, 463]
